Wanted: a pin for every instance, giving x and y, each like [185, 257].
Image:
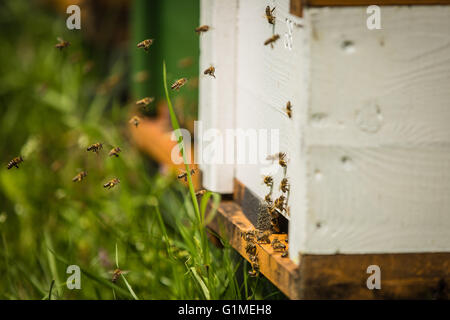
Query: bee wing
[60, 39]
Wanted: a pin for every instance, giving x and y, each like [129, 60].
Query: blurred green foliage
[53, 104]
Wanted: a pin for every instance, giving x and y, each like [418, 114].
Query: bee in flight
[114, 152]
[145, 44]
[79, 176]
[268, 181]
[116, 274]
[184, 175]
[269, 15]
[284, 185]
[145, 101]
[135, 121]
[96, 147]
[271, 40]
[289, 109]
[201, 29]
[15, 162]
[210, 71]
[110, 184]
[282, 159]
[62, 44]
[178, 84]
[200, 192]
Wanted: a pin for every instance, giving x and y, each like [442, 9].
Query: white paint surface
[217, 97]
[369, 141]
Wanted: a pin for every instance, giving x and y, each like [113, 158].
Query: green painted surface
[171, 23]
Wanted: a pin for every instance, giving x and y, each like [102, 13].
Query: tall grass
[50, 110]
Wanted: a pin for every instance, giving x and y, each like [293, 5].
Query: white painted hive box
[369, 138]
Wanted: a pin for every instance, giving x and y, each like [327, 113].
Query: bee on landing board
[178, 84]
[62, 44]
[145, 101]
[250, 248]
[201, 29]
[80, 176]
[269, 15]
[277, 245]
[110, 184]
[289, 109]
[135, 121]
[249, 235]
[15, 162]
[96, 147]
[263, 237]
[145, 44]
[272, 40]
[184, 175]
[114, 152]
[210, 71]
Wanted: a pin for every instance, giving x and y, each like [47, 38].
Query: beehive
[369, 138]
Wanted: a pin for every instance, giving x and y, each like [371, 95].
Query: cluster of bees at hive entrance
[267, 227]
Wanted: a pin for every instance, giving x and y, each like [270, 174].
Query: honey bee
[200, 192]
[96, 147]
[135, 121]
[268, 199]
[263, 237]
[178, 84]
[249, 235]
[282, 159]
[110, 184]
[15, 162]
[250, 248]
[271, 40]
[62, 44]
[269, 15]
[289, 109]
[210, 71]
[201, 29]
[80, 176]
[284, 185]
[255, 265]
[145, 101]
[277, 245]
[280, 202]
[116, 274]
[145, 44]
[285, 254]
[268, 181]
[114, 152]
[184, 175]
[275, 225]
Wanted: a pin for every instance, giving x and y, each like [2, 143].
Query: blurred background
[53, 104]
